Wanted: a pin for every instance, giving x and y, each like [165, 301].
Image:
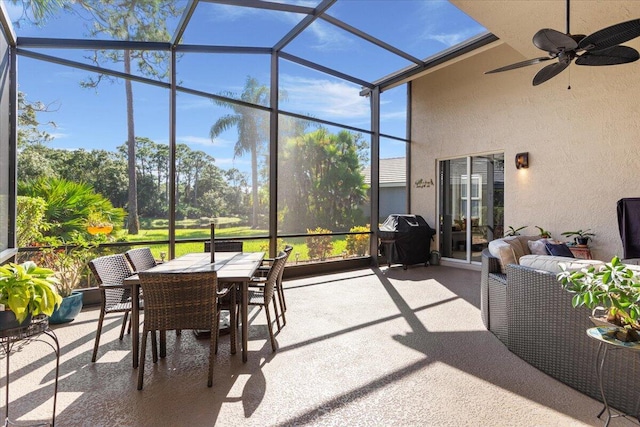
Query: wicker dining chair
[225, 246]
[179, 301]
[261, 292]
[110, 272]
[262, 273]
[141, 259]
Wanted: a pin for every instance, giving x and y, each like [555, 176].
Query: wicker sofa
[528, 311]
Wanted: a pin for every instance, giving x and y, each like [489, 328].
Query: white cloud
[393, 115]
[452, 39]
[206, 141]
[59, 135]
[230, 161]
[437, 18]
[329, 38]
[325, 99]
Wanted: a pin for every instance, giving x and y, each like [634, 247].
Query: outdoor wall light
[522, 160]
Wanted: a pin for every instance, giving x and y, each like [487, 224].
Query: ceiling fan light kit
[600, 48]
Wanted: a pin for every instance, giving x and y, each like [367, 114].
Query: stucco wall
[583, 143]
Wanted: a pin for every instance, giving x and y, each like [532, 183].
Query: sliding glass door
[471, 205]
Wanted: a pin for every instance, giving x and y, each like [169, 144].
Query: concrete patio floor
[374, 347]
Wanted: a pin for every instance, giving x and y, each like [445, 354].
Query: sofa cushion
[502, 250]
[509, 249]
[559, 249]
[537, 247]
[552, 263]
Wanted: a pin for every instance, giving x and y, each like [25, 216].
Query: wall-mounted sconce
[421, 183]
[522, 160]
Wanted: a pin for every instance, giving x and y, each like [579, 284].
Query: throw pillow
[537, 247]
[559, 249]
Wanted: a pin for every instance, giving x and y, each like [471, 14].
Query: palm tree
[253, 130]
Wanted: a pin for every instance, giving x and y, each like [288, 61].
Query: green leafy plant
[614, 286]
[26, 288]
[319, 246]
[543, 232]
[69, 261]
[358, 244]
[580, 236]
[514, 231]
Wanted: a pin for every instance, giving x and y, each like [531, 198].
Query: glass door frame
[445, 221]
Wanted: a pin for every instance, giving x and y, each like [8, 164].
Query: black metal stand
[605, 345]
[12, 340]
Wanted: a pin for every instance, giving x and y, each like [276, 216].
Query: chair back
[225, 246]
[141, 259]
[112, 270]
[179, 301]
[287, 250]
[275, 274]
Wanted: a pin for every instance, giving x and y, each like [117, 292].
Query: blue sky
[96, 119]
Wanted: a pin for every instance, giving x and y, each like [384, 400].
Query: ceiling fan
[600, 48]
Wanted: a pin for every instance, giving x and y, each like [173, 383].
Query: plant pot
[68, 310]
[104, 229]
[8, 321]
[582, 241]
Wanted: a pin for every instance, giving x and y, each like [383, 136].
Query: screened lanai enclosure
[142, 122]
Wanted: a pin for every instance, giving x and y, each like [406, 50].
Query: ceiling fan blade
[519, 65]
[553, 41]
[550, 71]
[612, 56]
[611, 36]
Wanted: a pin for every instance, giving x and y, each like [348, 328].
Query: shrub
[358, 244]
[30, 221]
[319, 246]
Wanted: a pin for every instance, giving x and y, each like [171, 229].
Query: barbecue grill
[405, 239]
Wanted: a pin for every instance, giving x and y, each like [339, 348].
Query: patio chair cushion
[559, 249]
[552, 263]
[510, 249]
[537, 247]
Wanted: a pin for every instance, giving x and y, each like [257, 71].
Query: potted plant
[69, 261]
[581, 237]
[26, 290]
[613, 286]
[98, 223]
[514, 231]
[543, 233]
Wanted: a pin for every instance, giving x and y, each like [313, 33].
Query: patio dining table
[232, 267]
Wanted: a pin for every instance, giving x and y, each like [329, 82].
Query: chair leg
[143, 350]
[283, 302]
[216, 332]
[154, 346]
[213, 345]
[124, 325]
[233, 333]
[163, 343]
[275, 309]
[98, 332]
[282, 306]
[273, 340]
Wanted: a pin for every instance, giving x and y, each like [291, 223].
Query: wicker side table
[12, 340]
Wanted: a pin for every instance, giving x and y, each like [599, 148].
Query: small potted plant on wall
[543, 233]
[26, 290]
[580, 237]
[614, 287]
[514, 231]
[69, 261]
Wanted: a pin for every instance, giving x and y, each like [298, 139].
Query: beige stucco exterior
[583, 143]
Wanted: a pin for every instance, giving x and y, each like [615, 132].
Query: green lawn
[299, 245]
